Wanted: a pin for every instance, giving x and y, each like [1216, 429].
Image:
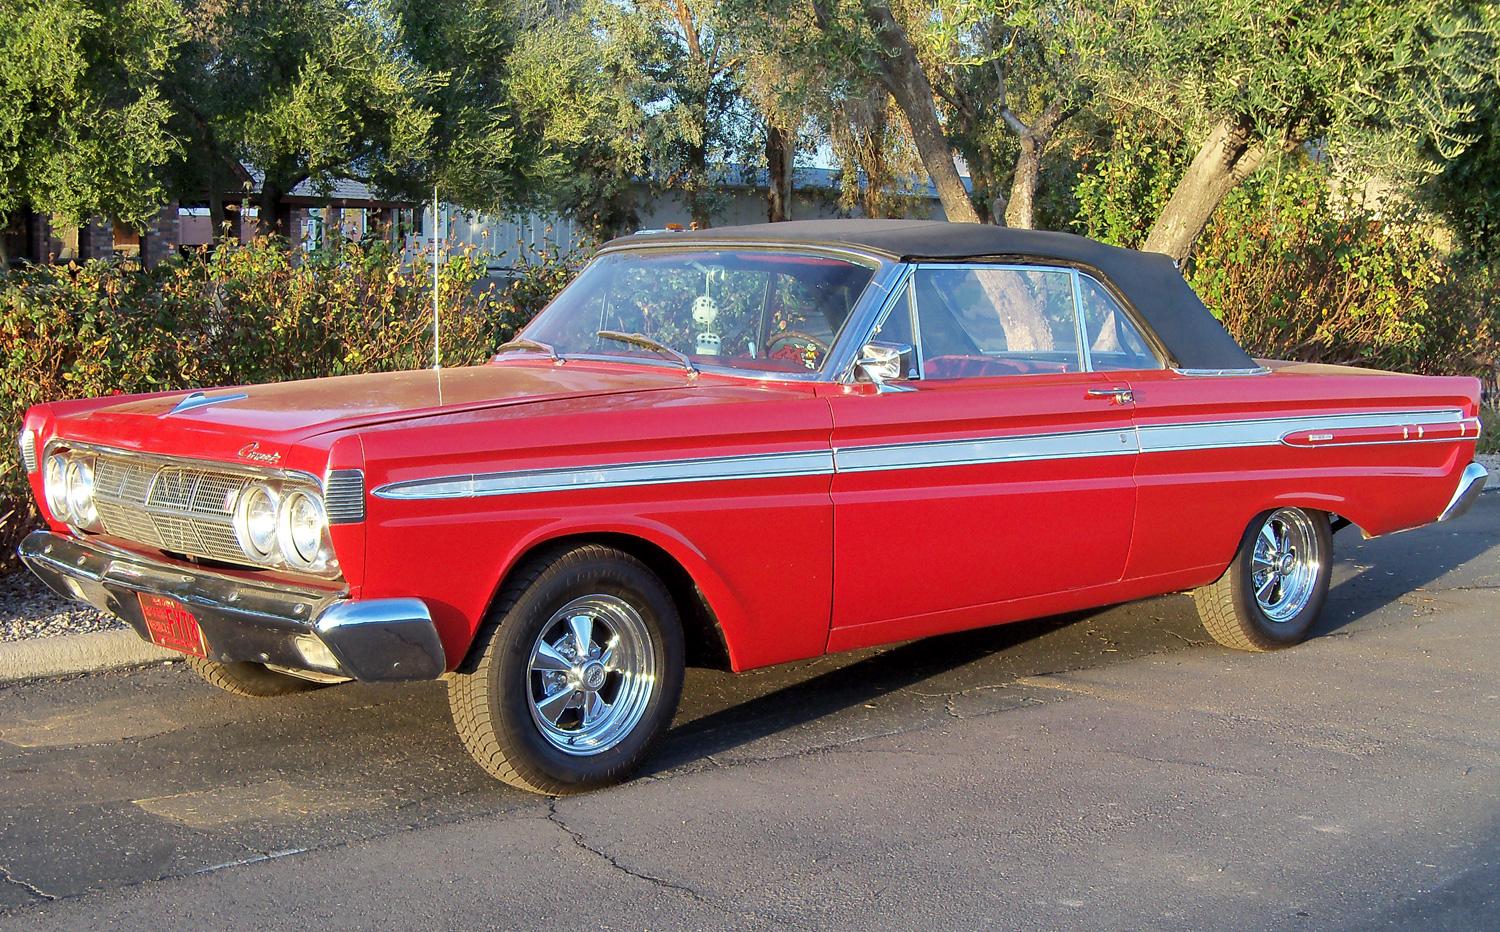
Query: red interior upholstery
[978, 367]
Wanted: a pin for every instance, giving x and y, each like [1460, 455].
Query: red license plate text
[171, 625]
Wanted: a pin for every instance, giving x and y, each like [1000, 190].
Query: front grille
[184, 509]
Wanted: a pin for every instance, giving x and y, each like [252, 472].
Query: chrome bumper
[1470, 484]
[243, 620]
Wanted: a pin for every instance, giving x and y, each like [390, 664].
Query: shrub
[1296, 272]
[238, 315]
[1125, 178]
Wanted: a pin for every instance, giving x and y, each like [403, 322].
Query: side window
[896, 328]
[981, 322]
[1115, 343]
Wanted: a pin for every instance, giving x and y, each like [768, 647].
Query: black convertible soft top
[1149, 281]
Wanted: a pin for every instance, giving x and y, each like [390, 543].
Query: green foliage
[239, 315]
[82, 126]
[1467, 191]
[1125, 178]
[1373, 81]
[301, 89]
[1296, 272]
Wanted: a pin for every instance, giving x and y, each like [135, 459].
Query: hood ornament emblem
[200, 400]
[251, 452]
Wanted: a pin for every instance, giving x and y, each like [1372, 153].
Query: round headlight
[255, 521]
[302, 529]
[55, 481]
[81, 493]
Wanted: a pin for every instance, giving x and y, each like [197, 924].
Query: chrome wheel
[1285, 564]
[591, 674]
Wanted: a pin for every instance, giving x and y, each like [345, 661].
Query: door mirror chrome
[883, 363]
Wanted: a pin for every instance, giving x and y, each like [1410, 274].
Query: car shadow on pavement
[1394, 567]
[860, 682]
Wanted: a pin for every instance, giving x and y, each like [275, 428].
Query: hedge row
[238, 315]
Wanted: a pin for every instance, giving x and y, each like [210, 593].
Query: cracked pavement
[1103, 770]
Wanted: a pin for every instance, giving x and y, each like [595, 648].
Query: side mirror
[883, 363]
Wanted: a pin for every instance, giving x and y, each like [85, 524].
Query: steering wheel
[786, 336]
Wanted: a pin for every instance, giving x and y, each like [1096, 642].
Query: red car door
[998, 474]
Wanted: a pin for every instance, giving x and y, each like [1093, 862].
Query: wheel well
[700, 627]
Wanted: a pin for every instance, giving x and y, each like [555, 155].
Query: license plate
[172, 626]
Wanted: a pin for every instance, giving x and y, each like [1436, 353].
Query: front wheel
[1276, 584]
[576, 673]
[251, 680]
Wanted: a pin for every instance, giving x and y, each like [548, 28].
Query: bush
[1296, 272]
[238, 315]
[1125, 177]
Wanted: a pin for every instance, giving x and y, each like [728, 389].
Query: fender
[727, 608]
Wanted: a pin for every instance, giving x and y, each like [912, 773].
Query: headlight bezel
[82, 510]
[293, 553]
[55, 486]
[270, 555]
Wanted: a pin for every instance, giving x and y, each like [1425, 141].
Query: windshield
[763, 310]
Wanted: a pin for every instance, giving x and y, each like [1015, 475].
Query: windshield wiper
[522, 343]
[645, 342]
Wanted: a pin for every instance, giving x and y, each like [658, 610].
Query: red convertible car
[750, 445]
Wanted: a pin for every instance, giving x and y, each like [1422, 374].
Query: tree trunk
[780, 154]
[269, 220]
[908, 84]
[697, 182]
[1228, 156]
[1020, 211]
[216, 219]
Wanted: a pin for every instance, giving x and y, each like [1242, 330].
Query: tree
[1467, 191]
[516, 97]
[83, 130]
[681, 70]
[896, 62]
[1369, 82]
[1010, 78]
[302, 90]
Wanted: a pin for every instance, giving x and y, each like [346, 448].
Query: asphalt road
[1099, 771]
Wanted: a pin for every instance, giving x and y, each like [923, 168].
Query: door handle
[1120, 396]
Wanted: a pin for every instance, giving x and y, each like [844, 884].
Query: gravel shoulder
[28, 609]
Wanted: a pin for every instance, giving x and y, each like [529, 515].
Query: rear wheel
[577, 672]
[251, 680]
[1276, 584]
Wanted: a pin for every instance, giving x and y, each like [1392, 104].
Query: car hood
[287, 413]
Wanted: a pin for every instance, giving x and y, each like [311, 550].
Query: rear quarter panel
[1195, 504]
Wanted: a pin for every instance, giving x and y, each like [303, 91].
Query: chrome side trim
[28, 449]
[662, 472]
[344, 496]
[200, 400]
[1157, 438]
[1258, 432]
[925, 455]
[1470, 484]
[1222, 373]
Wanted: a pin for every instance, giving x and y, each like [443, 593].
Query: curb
[76, 653]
